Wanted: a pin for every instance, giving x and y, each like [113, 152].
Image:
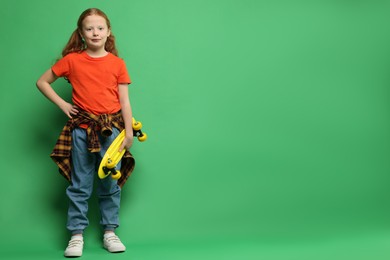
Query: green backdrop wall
[268, 127]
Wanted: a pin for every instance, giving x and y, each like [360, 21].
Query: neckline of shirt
[87, 56]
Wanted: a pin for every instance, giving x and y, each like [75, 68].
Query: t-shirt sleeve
[62, 67]
[124, 77]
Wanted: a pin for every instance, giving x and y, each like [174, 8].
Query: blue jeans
[84, 172]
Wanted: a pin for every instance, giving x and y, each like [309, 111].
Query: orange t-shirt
[94, 80]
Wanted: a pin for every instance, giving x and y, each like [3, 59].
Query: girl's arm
[127, 115]
[44, 86]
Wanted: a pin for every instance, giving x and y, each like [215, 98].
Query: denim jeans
[84, 172]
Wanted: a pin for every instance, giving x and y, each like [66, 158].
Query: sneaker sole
[115, 250]
[73, 255]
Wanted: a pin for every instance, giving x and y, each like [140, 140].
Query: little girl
[100, 109]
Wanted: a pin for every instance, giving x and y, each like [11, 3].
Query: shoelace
[113, 239]
[75, 243]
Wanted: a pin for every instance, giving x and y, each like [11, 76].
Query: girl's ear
[109, 33]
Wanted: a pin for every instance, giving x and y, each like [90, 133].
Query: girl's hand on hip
[69, 109]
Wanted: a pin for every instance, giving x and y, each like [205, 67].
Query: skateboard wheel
[137, 125]
[117, 175]
[142, 137]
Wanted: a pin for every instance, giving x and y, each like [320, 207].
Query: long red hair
[76, 44]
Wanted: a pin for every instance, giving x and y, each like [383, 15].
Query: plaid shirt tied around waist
[61, 153]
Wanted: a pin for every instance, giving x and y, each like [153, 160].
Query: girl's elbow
[41, 84]
[38, 84]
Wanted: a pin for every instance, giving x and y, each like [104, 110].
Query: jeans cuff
[74, 232]
[110, 227]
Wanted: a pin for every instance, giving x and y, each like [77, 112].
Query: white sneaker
[112, 243]
[75, 247]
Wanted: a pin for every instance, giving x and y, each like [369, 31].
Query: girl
[100, 109]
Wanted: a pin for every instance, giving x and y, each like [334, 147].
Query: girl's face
[95, 32]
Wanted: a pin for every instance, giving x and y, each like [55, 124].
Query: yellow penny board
[112, 156]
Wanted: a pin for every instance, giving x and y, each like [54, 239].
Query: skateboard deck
[113, 156]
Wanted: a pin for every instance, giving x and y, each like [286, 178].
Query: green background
[268, 126]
